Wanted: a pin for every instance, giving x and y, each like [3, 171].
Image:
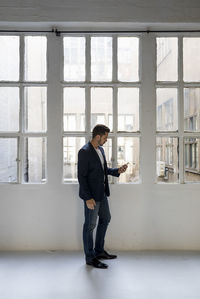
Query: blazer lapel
[105, 163]
[93, 151]
[103, 155]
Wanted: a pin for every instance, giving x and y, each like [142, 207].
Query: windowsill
[192, 171]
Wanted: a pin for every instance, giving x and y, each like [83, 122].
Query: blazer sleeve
[113, 172]
[83, 174]
[110, 171]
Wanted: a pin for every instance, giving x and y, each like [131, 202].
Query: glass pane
[74, 109]
[101, 107]
[128, 151]
[36, 109]
[101, 58]
[167, 58]
[8, 162]
[9, 109]
[167, 159]
[9, 58]
[128, 109]
[191, 59]
[35, 160]
[192, 167]
[71, 146]
[74, 58]
[192, 109]
[35, 58]
[128, 58]
[167, 115]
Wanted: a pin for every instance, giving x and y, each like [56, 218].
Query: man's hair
[100, 130]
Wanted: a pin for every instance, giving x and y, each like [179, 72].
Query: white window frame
[21, 84]
[180, 85]
[147, 104]
[115, 84]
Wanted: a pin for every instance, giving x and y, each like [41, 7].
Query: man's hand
[91, 204]
[123, 168]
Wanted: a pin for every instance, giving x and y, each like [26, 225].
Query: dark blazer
[91, 174]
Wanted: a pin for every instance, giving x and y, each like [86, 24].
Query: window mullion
[114, 57]
[87, 112]
[87, 90]
[115, 126]
[181, 109]
[88, 59]
[22, 116]
[115, 112]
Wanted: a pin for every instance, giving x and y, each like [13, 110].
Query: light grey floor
[64, 275]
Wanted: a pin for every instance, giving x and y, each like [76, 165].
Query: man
[94, 189]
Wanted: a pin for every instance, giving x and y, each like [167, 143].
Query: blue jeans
[102, 210]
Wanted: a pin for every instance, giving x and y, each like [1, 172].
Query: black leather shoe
[97, 264]
[106, 256]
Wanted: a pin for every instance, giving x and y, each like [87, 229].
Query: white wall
[144, 216]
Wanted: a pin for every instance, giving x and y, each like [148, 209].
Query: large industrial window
[145, 87]
[101, 84]
[23, 108]
[178, 109]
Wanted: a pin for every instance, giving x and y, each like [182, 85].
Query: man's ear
[98, 137]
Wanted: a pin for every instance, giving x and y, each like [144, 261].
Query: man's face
[102, 139]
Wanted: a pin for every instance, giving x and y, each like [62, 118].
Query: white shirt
[100, 156]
